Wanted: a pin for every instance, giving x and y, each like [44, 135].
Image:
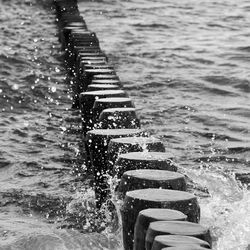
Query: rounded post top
[162, 214]
[179, 247]
[114, 99]
[115, 132]
[146, 156]
[153, 174]
[178, 228]
[114, 110]
[106, 81]
[137, 140]
[103, 92]
[100, 71]
[159, 195]
[180, 241]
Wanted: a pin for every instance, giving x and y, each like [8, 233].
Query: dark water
[186, 66]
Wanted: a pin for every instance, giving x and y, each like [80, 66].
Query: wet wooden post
[66, 10]
[66, 31]
[97, 145]
[85, 78]
[146, 216]
[176, 228]
[85, 44]
[113, 102]
[118, 118]
[87, 100]
[82, 60]
[144, 160]
[83, 69]
[124, 145]
[81, 86]
[88, 64]
[68, 27]
[87, 57]
[150, 178]
[138, 200]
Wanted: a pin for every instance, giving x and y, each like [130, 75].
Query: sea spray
[226, 209]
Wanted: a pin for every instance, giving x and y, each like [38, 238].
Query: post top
[183, 242]
[146, 156]
[153, 174]
[136, 140]
[159, 195]
[115, 132]
[114, 99]
[178, 227]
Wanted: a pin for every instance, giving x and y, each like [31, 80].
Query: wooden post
[119, 118]
[138, 200]
[87, 100]
[97, 145]
[113, 102]
[150, 178]
[149, 215]
[144, 160]
[124, 145]
[176, 228]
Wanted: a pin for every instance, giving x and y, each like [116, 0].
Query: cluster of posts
[157, 211]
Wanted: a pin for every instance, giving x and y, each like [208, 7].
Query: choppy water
[185, 63]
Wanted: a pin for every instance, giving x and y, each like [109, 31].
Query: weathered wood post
[176, 228]
[138, 200]
[146, 216]
[97, 143]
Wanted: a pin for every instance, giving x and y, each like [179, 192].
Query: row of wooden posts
[157, 211]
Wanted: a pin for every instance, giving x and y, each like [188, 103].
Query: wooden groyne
[157, 211]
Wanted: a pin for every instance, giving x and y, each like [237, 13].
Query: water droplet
[63, 129]
[1, 91]
[53, 89]
[15, 87]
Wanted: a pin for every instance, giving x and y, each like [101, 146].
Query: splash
[226, 210]
[235, 231]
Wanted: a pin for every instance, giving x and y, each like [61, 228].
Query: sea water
[186, 66]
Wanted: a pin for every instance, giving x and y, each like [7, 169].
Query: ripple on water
[188, 74]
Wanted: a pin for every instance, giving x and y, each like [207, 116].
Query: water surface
[185, 64]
